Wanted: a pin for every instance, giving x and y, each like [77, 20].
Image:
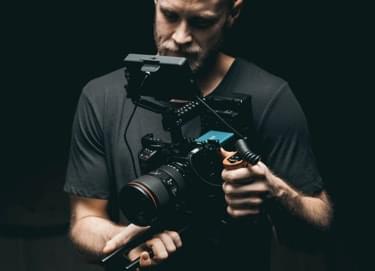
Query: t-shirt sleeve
[285, 142]
[87, 173]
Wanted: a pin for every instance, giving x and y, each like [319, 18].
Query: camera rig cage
[152, 81]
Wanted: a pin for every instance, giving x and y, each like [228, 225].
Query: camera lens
[147, 199]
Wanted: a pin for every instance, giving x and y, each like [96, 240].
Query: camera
[185, 176]
[181, 179]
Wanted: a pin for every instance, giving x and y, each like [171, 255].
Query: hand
[157, 249]
[122, 237]
[246, 188]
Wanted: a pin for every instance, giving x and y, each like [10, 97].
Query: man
[100, 164]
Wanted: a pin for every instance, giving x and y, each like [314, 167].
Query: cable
[241, 146]
[147, 74]
[126, 140]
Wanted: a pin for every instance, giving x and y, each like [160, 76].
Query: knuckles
[227, 175]
[227, 188]
[161, 256]
[249, 201]
[240, 213]
[160, 249]
[174, 235]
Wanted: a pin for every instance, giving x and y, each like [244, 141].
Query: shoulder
[110, 85]
[264, 87]
[256, 79]
[103, 98]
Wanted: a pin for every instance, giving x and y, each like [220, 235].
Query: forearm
[90, 234]
[316, 211]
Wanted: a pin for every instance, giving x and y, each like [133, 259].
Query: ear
[235, 11]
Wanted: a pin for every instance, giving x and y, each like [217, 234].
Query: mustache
[170, 47]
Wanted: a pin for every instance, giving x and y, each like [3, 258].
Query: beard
[199, 59]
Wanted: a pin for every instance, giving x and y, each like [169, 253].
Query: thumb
[116, 241]
[122, 237]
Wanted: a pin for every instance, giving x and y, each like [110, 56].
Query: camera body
[183, 176]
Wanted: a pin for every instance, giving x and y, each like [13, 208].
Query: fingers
[157, 249]
[245, 189]
[242, 203]
[242, 190]
[244, 174]
[145, 259]
[122, 238]
[171, 240]
[164, 244]
[242, 212]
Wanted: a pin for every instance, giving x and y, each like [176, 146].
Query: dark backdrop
[52, 49]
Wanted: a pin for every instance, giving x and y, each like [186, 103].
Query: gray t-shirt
[100, 164]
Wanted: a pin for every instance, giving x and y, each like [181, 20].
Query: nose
[182, 35]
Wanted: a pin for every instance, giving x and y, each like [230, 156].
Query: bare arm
[95, 235]
[246, 189]
[91, 227]
[315, 210]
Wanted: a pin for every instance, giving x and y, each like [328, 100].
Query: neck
[214, 73]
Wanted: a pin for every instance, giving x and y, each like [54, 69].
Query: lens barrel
[148, 198]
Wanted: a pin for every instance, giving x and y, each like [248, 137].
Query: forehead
[208, 7]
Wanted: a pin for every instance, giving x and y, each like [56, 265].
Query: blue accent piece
[222, 137]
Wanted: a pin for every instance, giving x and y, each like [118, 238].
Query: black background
[50, 50]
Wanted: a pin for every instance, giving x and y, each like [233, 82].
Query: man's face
[190, 28]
